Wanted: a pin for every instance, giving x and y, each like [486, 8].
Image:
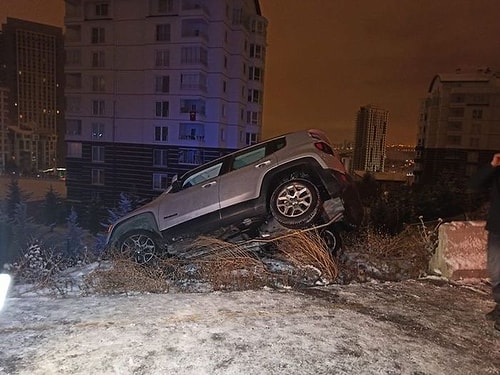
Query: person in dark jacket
[489, 177]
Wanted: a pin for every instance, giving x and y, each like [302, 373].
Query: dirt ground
[425, 326]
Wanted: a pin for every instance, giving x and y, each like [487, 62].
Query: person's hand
[495, 162]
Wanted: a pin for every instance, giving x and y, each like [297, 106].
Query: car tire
[295, 203]
[332, 240]
[140, 245]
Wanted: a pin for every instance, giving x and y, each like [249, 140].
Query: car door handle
[263, 164]
[209, 184]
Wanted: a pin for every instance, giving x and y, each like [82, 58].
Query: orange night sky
[325, 58]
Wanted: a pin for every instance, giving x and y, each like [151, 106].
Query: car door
[198, 196]
[247, 169]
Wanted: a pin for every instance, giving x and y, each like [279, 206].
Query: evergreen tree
[74, 237]
[14, 197]
[51, 207]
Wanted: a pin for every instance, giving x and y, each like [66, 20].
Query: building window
[74, 127]
[160, 181]
[97, 131]
[193, 105]
[102, 10]
[98, 59]
[253, 118]
[97, 176]
[74, 150]
[251, 138]
[193, 81]
[255, 74]
[162, 57]
[162, 109]
[477, 114]
[98, 84]
[163, 33]
[190, 156]
[98, 107]
[194, 55]
[256, 51]
[98, 35]
[161, 133]
[162, 83]
[160, 158]
[165, 6]
[254, 96]
[98, 154]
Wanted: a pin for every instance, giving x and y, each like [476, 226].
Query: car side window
[248, 157]
[202, 176]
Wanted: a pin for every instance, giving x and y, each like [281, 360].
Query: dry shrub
[386, 257]
[227, 266]
[305, 250]
[125, 276]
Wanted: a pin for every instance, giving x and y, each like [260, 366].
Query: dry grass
[305, 250]
[127, 276]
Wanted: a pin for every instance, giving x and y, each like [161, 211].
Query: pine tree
[51, 207]
[74, 237]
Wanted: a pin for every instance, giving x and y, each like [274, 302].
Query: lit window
[97, 131]
[74, 150]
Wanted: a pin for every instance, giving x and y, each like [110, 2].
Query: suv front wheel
[140, 245]
[295, 203]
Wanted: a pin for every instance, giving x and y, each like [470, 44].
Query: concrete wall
[461, 251]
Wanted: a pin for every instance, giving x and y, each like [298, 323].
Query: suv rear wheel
[295, 203]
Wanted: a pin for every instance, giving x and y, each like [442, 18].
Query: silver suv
[294, 181]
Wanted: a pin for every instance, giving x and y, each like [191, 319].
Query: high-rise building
[154, 88]
[32, 70]
[459, 125]
[369, 139]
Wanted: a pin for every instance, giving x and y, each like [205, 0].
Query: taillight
[323, 147]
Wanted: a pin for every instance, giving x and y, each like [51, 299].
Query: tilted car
[294, 181]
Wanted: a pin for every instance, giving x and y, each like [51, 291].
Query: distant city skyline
[326, 59]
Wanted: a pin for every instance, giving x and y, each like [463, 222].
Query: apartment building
[459, 125]
[370, 139]
[32, 72]
[155, 88]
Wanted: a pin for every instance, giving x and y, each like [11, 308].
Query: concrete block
[461, 251]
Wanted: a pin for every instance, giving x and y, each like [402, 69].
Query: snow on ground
[412, 327]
